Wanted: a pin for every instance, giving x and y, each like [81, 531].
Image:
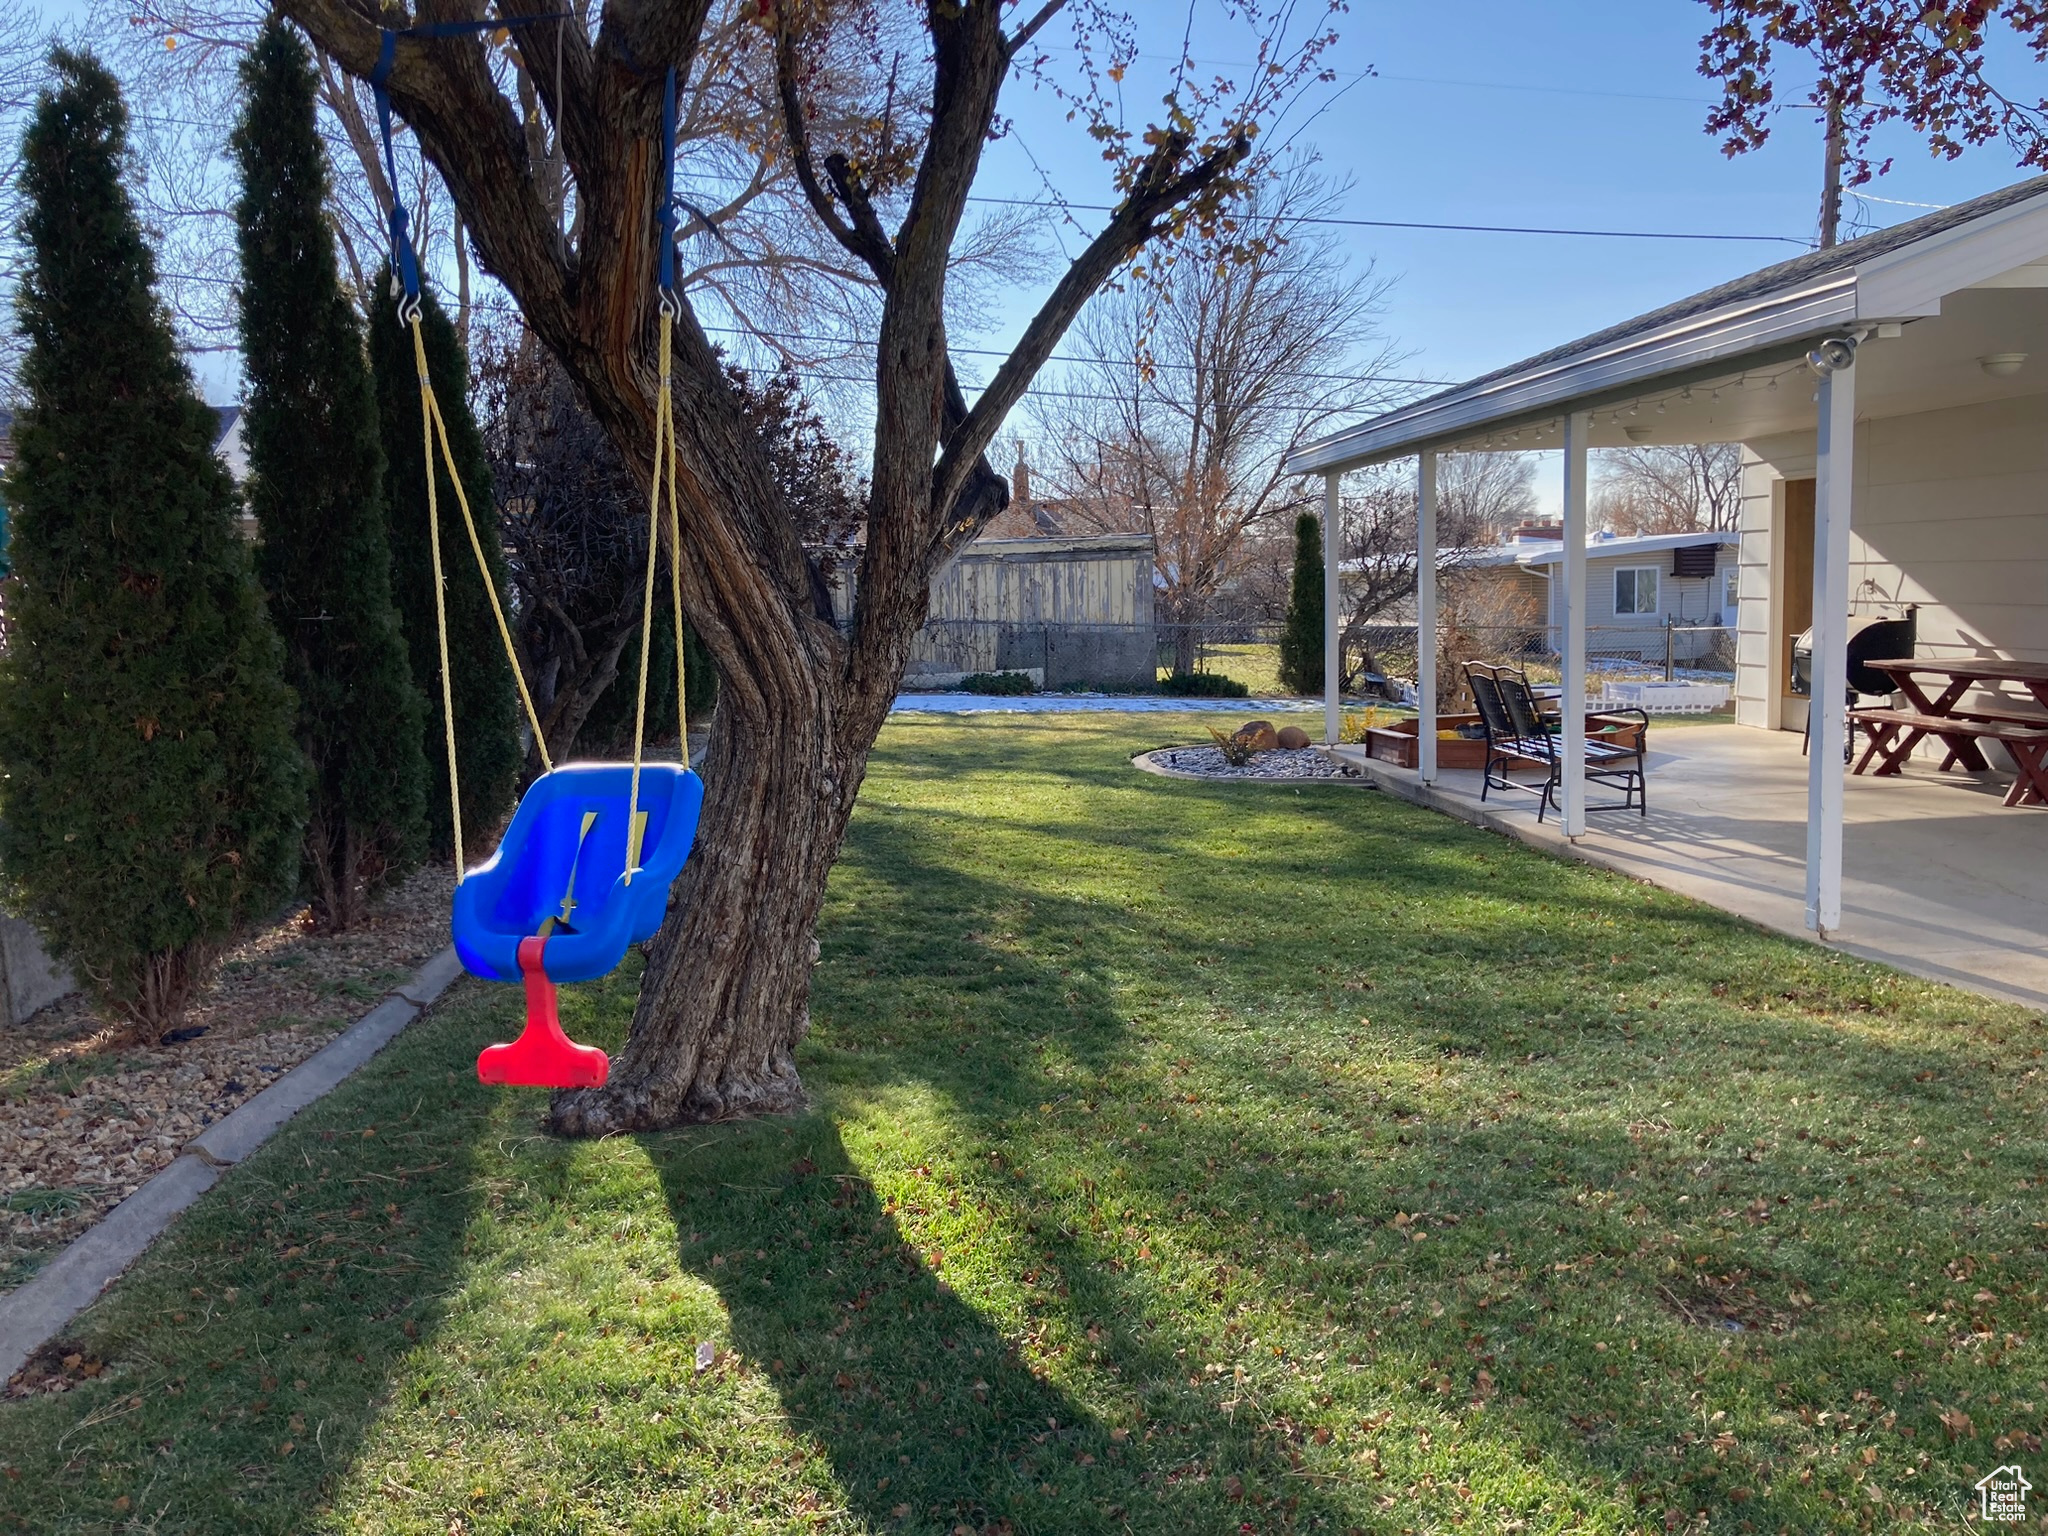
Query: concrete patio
[1938, 878]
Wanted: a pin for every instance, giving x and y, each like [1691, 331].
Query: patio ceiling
[1916, 365]
[1930, 298]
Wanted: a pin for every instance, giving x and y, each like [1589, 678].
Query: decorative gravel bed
[87, 1116]
[1281, 763]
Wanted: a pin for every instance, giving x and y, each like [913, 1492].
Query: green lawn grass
[1255, 664]
[1185, 1158]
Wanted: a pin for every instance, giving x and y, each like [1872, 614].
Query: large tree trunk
[726, 996]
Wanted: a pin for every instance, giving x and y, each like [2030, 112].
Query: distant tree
[1480, 497]
[316, 485]
[1190, 394]
[1301, 642]
[487, 733]
[154, 798]
[1668, 488]
[1926, 65]
[23, 68]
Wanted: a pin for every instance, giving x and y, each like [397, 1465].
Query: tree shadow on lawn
[1541, 1238]
[931, 1418]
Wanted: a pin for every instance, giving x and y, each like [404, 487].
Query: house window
[1731, 589]
[1635, 589]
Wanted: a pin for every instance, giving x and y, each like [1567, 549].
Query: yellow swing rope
[434, 429]
[665, 454]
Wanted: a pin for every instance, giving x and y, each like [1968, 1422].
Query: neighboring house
[1027, 516]
[1070, 611]
[1891, 397]
[1636, 587]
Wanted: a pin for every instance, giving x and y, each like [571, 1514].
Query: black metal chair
[1615, 761]
[1504, 744]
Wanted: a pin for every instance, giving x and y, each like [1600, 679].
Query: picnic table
[1894, 733]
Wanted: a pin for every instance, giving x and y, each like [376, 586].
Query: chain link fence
[1379, 660]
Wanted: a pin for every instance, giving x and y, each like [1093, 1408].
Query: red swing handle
[542, 1056]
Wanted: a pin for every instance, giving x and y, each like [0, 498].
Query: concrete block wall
[29, 978]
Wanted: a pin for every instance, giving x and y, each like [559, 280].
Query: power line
[1475, 229]
[1470, 85]
[1468, 229]
[1111, 362]
[767, 336]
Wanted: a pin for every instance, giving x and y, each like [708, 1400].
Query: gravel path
[1301, 763]
[87, 1117]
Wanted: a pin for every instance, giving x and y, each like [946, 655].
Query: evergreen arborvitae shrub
[316, 485]
[153, 795]
[487, 717]
[1301, 642]
[609, 728]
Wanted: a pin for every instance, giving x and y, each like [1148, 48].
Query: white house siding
[1690, 601]
[1758, 685]
[1951, 513]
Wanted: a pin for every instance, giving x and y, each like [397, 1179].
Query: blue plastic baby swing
[585, 868]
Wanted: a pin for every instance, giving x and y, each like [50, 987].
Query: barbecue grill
[1869, 639]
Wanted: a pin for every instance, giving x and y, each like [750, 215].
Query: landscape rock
[1209, 763]
[1259, 735]
[1292, 738]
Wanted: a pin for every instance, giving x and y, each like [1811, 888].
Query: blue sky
[1575, 113]
[1585, 114]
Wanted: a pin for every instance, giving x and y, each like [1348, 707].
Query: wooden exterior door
[1795, 603]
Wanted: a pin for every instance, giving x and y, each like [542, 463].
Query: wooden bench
[1894, 733]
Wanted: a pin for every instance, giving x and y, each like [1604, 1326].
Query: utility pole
[1831, 179]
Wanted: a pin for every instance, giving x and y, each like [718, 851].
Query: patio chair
[1505, 747]
[1612, 759]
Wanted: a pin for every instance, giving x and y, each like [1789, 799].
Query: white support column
[1333, 612]
[1425, 615]
[1824, 768]
[1572, 600]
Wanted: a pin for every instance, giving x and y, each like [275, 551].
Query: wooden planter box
[1396, 744]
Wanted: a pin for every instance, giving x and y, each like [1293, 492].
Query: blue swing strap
[405, 276]
[405, 266]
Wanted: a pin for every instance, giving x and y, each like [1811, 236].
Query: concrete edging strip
[71, 1282]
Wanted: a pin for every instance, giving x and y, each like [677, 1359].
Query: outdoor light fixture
[2002, 365]
[1832, 355]
[1637, 434]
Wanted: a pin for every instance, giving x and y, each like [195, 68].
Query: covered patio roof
[1940, 311]
[1727, 364]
